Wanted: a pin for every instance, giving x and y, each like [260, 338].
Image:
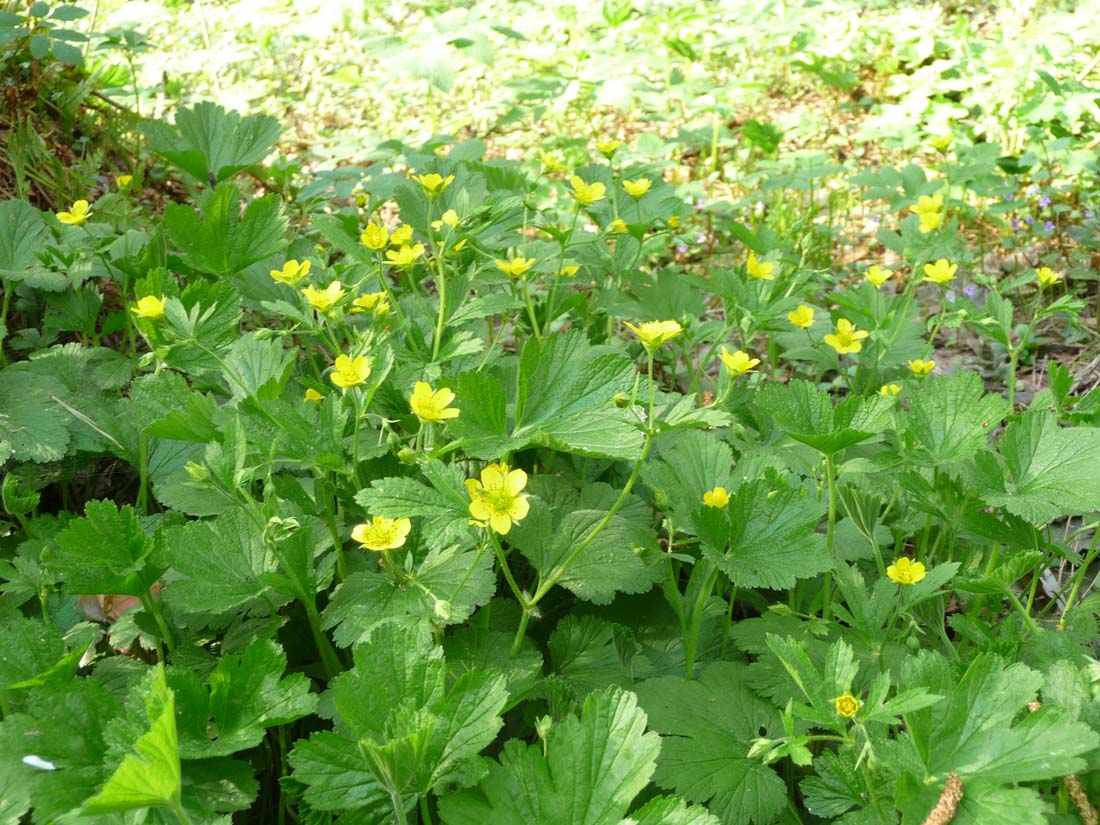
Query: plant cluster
[463, 488]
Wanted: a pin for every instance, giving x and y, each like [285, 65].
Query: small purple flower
[682, 248]
[1044, 201]
[970, 291]
[1015, 224]
[1049, 226]
[876, 220]
[1010, 197]
[701, 239]
[1088, 213]
[1033, 189]
[1029, 220]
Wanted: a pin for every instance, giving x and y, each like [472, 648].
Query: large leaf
[22, 233]
[105, 552]
[244, 696]
[562, 397]
[806, 414]
[1049, 471]
[707, 727]
[445, 587]
[593, 768]
[223, 241]
[209, 141]
[149, 775]
[217, 565]
[689, 464]
[951, 419]
[399, 725]
[984, 730]
[766, 536]
[617, 560]
[444, 505]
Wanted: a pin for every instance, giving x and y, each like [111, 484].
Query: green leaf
[562, 393]
[593, 768]
[34, 654]
[207, 140]
[149, 775]
[217, 565]
[164, 406]
[445, 587]
[22, 233]
[105, 552]
[260, 366]
[445, 504]
[668, 810]
[1049, 470]
[707, 727]
[617, 560]
[66, 729]
[766, 536]
[223, 241]
[951, 419]
[398, 721]
[200, 325]
[806, 414]
[979, 731]
[247, 695]
[689, 464]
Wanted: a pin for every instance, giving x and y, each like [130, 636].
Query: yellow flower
[569, 270]
[877, 275]
[450, 218]
[760, 271]
[432, 406]
[325, 299]
[587, 193]
[922, 367]
[637, 188]
[124, 181]
[313, 395]
[77, 214]
[926, 204]
[497, 499]
[1047, 276]
[673, 221]
[402, 235]
[716, 498]
[906, 572]
[941, 142]
[738, 363]
[149, 307]
[889, 390]
[608, 147]
[376, 237]
[930, 221]
[350, 372]
[847, 338]
[291, 273]
[550, 162]
[847, 705]
[515, 267]
[433, 184]
[373, 302]
[802, 317]
[616, 227]
[458, 246]
[654, 333]
[406, 255]
[382, 533]
[941, 272]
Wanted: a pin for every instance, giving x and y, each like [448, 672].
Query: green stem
[1012, 597]
[180, 813]
[1090, 557]
[530, 308]
[441, 290]
[142, 503]
[425, 814]
[691, 643]
[827, 586]
[148, 601]
[399, 809]
[8, 290]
